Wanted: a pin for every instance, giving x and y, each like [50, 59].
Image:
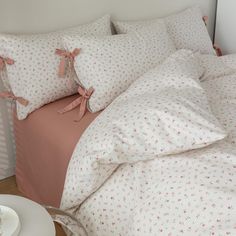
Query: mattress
[44, 144]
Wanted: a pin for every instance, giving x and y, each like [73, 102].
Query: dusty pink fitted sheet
[44, 144]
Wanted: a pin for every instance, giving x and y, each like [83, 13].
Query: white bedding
[221, 92]
[190, 193]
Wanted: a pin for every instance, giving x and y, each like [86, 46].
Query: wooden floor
[8, 186]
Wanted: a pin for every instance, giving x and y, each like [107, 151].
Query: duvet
[157, 161]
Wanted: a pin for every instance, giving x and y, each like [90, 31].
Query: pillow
[164, 112]
[186, 29]
[34, 73]
[110, 64]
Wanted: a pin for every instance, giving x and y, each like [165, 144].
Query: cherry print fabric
[110, 64]
[229, 60]
[34, 75]
[186, 29]
[221, 90]
[126, 176]
[217, 67]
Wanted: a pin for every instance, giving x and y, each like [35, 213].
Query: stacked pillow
[34, 74]
[187, 30]
[102, 65]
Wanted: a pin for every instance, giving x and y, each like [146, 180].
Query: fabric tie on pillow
[66, 57]
[4, 61]
[205, 19]
[82, 101]
[10, 95]
[218, 50]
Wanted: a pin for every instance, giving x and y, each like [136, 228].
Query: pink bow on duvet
[66, 57]
[82, 101]
[4, 61]
[10, 95]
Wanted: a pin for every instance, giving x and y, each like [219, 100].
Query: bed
[147, 144]
[32, 127]
[102, 209]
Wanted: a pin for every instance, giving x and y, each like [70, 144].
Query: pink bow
[218, 50]
[4, 61]
[66, 57]
[21, 100]
[205, 19]
[82, 101]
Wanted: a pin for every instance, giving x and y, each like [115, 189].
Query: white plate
[9, 222]
[34, 219]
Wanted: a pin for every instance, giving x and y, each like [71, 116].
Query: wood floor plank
[8, 186]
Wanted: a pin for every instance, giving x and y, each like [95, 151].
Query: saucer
[9, 222]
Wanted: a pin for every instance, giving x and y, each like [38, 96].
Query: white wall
[19, 16]
[225, 27]
[40, 15]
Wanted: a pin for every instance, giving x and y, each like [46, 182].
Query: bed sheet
[44, 145]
